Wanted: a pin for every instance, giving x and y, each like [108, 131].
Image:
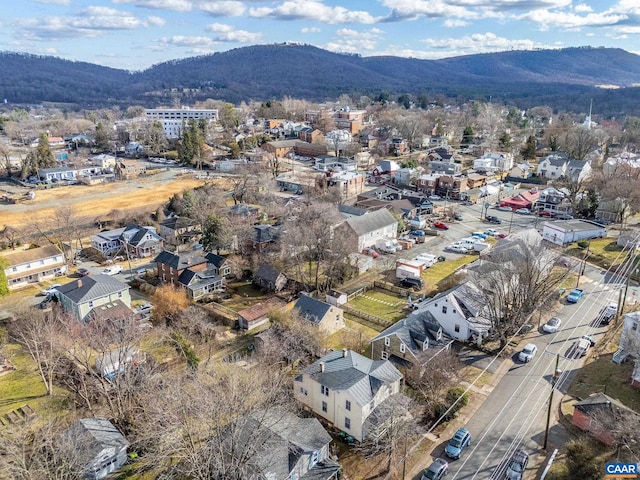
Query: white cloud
[312, 10]
[156, 21]
[453, 23]
[477, 43]
[228, 33]
[55, 2]
[310, 30]
[556, 19]
[187, 41]
[177, 5]
[225, 8]
[582, 8]
[355, 41]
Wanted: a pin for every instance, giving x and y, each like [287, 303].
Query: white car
[50, 290]
[492, 232]
[527, 353]
[113, 270]
[458, 249]
[523, 211]
[552, 325]
[435, 197]
[504, 208]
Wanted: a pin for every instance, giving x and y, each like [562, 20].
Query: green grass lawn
[376, 302]
[24, 386]
[441, 270]
[603, 373]
[244, 295]
[602, 251]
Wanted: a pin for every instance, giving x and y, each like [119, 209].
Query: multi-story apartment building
[174, 119]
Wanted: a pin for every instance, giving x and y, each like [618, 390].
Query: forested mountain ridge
[565, 79]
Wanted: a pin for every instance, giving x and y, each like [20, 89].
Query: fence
[367, 316]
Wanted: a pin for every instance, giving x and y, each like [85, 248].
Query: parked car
[457, 248]
[523, 211]
[144, 309]
[607, 313]
[467, 202]
[458, 217]
[460, 440]
[564, 216]
[527, 353]
[436, 471]
[517, 465]
[505, 208]
[479, 235]
[415, 283]
[113, 270]
[50, 289]
[491, 232]
[371, 252]
[602, 221]
[575, 295]
[547, 213]
[581, 346]
[441, 225]
[552, 325]
[46, 302]
[493, 219]
[435, 197]
[83, 272]
[417, 233]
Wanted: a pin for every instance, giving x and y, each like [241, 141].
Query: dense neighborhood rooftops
[348, 370]
[180, 261]
[92, 287]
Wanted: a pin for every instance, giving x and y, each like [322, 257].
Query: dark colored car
[460, 440]
[493, 219]
[83, 272]
[415, 283]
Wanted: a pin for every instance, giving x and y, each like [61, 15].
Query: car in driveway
[436, 471]
[575, 295]
[112, 270]
[441, 225]
[50, 290]
[552, 325]
[493, 219]
[527, 353]
[460, 440]
[371, 252]
[517, 465]
[523, 211]
[415, 283]
[581, 346]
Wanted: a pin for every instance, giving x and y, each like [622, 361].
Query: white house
[363, 231]
[630, 344]
[459, 311]
[553, 165]
[578, 170]
[34, 265]
[345, 388]
[624, 160]
[493, 162]
[562, 232]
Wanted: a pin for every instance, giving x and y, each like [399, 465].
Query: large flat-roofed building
[174, 119]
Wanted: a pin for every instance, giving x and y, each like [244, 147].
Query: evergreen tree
[505, 142]
[467, 136]
[102, 137]
[528, 152]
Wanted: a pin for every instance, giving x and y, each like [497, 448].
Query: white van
[112, 270]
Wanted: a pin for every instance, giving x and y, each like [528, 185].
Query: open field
[145, 193]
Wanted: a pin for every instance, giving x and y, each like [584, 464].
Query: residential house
[140, 242]
[494, 162]
[328, 318]
[97, 445]
[81, 297]
[171, 265]
[265, 235]
[104, 161]
[133, 149]
[352, 120]
[345, 388]
[451, 187]
[522, 200]
[578, 170]
[622, 162]
[180, 230]
[310, 135]
[128, 169]
[521, 170]
[412, 341]
[34, 265]
[629, 345]
[475, 180]
[269, 278]
[386, 167]
[441, 154]
[221, 265]
[347, 183]
[553, 166]
[459, 311]
[445, 168]
[328, 163]
[553, 201]
[394, 146]
[280, 148]
[363, 231]
[199, 283]
[613, 210]
[427, 183]
[258, 314]
[285, 447]
[597, 413]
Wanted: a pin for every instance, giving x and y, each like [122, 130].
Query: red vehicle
[371, 252]
[441, 226]
[547, 213]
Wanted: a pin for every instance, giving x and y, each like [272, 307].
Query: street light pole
[510, 221]
[556, 374]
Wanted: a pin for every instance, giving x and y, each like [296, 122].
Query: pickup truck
[575, 295]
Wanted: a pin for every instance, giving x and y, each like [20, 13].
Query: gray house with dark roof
[323, 315]
[201, 283]
[411, 341]
[219, 263]
[287, 447]
[180, 230]
[362, 231]
[99, 446]
[269, 278]
[82, 296]
[139, 241]
[345, 387]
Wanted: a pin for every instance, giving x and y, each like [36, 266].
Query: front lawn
[603, 252]
[602, 375]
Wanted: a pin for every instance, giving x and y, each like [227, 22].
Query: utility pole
[583, 264]
[556, 374]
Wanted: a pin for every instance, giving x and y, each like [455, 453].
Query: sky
[136, 34]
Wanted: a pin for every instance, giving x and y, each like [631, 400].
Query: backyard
[381, 303]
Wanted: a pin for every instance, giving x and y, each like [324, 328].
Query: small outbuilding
[562, 232]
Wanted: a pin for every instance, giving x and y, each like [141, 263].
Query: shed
[562, 232]
[258, 314]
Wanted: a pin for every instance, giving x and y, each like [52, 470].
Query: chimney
[321, 366]
[79, 283]
[345, 353]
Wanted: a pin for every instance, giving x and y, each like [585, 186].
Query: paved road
[514, 414]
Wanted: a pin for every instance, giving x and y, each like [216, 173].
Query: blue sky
[135, 34]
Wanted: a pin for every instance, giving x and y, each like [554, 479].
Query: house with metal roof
[412, 341]
[180, 230]
[34, 265]
[97, 445]
[201, 283]
[328, 318]
[140, 241]
[82, 296]
[363, 231]
[345, 388]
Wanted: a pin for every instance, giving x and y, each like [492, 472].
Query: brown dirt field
[145, 193]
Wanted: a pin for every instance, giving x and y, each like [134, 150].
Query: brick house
[588, 415]
[171, 265]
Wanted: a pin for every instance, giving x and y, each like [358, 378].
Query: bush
[582, 244]
[452, 395]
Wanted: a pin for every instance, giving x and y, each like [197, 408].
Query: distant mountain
[564, 79]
